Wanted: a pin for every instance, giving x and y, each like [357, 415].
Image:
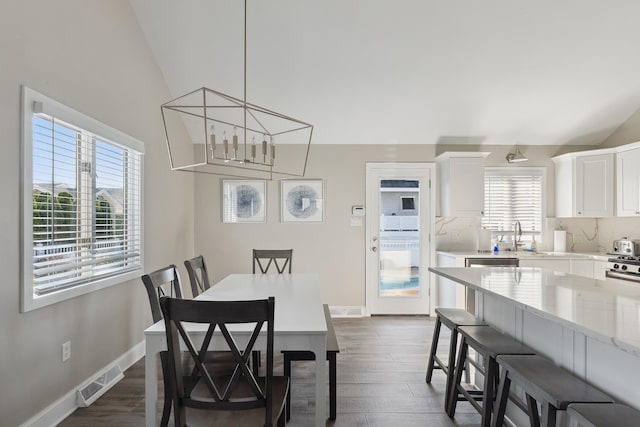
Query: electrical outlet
[66, 351]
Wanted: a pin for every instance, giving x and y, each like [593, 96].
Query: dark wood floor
[381, 372]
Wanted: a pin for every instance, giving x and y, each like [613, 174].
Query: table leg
[319, 347]
[150, 384]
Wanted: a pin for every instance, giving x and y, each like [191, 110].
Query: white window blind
[84, 225]
[513, 194]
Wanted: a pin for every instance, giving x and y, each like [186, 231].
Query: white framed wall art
[244, 201]
[302, 200]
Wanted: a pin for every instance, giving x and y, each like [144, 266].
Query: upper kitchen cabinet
[585, 184]
[628, 181]
[461, 183]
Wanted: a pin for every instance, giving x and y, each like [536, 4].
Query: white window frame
[32, 103]
[537, 171]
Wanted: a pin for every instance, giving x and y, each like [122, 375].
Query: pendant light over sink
[208, 131]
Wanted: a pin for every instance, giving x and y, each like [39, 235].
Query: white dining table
[299, 324]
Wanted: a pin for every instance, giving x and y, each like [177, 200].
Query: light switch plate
[357, 210]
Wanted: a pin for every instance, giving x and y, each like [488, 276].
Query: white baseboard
[347, 311]
[63, 407]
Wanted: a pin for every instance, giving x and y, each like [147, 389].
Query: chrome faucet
[517, 235]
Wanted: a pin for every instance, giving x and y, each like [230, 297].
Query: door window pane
[399, 238]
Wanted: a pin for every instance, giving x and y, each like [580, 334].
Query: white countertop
[600, 256]
[606, 310]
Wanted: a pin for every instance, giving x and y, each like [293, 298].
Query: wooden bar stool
[546, 383]
[599, 415]
[452, 318]
[488, 343]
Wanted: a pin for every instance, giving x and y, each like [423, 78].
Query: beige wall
[334, 248]
[334, 245]
[626, 133]
[92, 57]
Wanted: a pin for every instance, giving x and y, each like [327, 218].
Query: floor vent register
[90, 392]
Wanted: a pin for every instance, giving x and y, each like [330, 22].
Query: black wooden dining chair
[281, 259]
[198, 275]
[239, 399]
[155, 283]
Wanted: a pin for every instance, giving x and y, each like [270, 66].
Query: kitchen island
[592, 265]
[589, 326]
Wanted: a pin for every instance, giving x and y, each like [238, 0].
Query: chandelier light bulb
[225, 144]
[253, 148]
[273, 149]
[264, 148]
[212, 139]
[235, 142]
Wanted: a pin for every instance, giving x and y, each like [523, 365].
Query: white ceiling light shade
[516, 157]
[208, 131]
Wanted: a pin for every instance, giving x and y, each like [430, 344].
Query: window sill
[30, 302]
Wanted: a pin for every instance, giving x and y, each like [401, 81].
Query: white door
[400, 212]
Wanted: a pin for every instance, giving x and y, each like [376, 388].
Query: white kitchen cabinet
[589, 312]
[628, 182]
[461, 183]
[585, 184]
[599, 269]
[561, 265]
[581, 267]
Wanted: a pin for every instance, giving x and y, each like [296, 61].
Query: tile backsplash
[611, 229]
[457, 234]
[583, 234]
[594, 234]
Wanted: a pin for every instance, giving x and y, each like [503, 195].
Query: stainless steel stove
[624, 267]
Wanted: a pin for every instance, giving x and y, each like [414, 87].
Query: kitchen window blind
[513, 194]
[84, 192]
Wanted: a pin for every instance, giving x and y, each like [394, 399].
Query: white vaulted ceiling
[550, 72]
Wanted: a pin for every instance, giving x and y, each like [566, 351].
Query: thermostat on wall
[357, 210]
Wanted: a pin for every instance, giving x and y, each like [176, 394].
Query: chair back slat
[281, 259]
[241, 390]
[242, 368]
[198, 275]
[154, 283]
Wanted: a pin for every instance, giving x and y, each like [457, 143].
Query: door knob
[373, 249]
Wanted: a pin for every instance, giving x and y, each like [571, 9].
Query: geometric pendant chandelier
[210, 132]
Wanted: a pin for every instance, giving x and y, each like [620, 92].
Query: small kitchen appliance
[627, 264]
[626, 247]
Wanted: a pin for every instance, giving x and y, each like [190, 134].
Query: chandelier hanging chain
[244, 98]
